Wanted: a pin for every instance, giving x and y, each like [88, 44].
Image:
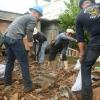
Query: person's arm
[35, 38]
[71, 38]
[29, 31]
[81, 46]
[63, 36]
[80, 37]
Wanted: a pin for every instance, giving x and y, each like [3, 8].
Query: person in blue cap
[38, 9]
[88, 20]
[17, 30]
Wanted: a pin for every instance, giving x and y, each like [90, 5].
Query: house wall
[53, 9]
[50, 29]
[3, 25]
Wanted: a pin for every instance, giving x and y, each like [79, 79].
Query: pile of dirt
[50, 84]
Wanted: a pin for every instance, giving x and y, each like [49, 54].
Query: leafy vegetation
[68, 17]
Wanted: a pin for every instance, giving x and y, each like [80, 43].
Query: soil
[50, 83]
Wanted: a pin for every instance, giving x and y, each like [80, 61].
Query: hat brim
[31, 9]
[70, 31]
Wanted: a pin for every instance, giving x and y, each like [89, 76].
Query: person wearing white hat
[61, 44]
[70, 31]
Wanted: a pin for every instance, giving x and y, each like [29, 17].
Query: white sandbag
[98, 60]
[78, 65]
[1, 76]
[2, 66]
[2, 70]
[78, 83]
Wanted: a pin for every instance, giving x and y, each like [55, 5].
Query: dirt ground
[51, 83]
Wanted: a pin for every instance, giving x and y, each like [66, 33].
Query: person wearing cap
[88, 20]
[61, 45]
[17, 30]
[85, 4]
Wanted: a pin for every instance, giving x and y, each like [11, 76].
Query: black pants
[61, 45]
[91, 54]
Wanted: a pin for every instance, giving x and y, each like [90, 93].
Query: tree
[67, 18]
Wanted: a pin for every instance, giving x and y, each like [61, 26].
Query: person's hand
[30, 44]
[80, 58]
[82, 50]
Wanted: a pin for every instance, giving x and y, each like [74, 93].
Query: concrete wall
[53, 9]
[50, 29]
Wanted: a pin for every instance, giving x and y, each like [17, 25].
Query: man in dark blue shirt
[88, 19]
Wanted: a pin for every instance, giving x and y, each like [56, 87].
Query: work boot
[28, 89]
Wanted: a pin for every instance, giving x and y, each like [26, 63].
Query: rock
[55, 98]
[66, 92]
[44, 79]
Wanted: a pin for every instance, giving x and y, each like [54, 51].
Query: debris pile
[49, 84]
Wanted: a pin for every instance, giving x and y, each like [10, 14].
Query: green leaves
[68, 17]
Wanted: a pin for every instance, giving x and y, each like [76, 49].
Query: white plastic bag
[98, 60]
[2, 70]
[78, 83]
[78, 65]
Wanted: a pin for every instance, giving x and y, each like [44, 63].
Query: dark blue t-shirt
[89, 19]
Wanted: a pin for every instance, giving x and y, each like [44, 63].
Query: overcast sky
[18, 6]
[98, 1]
